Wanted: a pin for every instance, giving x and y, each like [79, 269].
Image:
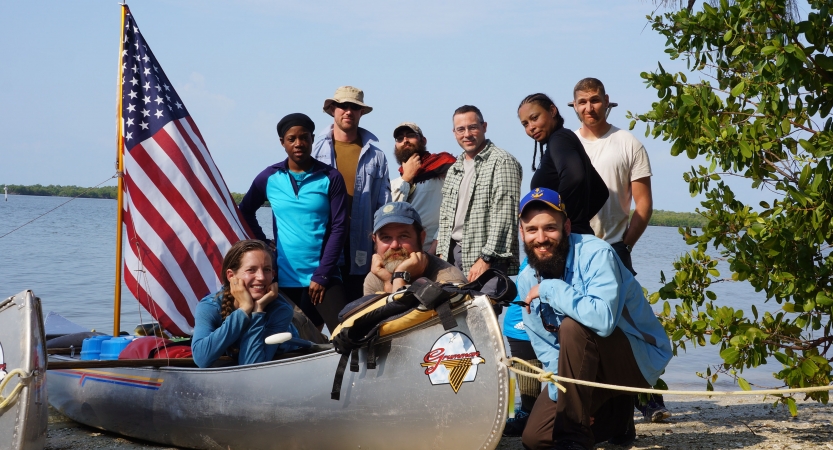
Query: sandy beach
[726, 423]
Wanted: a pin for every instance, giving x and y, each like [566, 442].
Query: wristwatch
[629, 247]
[487, 259]
[404, 275]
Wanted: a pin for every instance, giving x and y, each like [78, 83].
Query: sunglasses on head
[350, 106]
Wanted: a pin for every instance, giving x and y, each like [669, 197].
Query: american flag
[179, 217]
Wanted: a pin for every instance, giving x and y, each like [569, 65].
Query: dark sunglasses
[350, 106]
[409, 135]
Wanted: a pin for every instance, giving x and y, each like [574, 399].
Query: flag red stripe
[144, 299]
[180, 205]
[156, 268]
[172, 242]
[170, 147]
[229, 200]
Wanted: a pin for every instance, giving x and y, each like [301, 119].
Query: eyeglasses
[408, 135]
[350, 106]
[472, 129]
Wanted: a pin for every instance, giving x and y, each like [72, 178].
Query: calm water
[68, 259]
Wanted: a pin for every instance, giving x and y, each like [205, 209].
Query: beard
[392, 258]
[405, 152]
[552, 266]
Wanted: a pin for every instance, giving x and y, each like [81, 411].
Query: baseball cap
[395, 212]
[548, 196]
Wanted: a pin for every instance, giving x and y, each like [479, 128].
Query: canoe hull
[286, 403]
[23, 422]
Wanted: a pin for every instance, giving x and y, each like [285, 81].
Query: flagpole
[120, 173]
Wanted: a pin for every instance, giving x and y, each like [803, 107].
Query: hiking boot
[654, 411]
[626, 439]
[515, 426]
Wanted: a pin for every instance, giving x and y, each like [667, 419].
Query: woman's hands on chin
[242, 297]
[267, 298]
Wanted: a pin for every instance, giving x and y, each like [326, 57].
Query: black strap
[354, 360]
[371, 354]
[342, 365]
[447, 319]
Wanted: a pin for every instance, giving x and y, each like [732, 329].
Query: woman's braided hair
[545, 102]
[232, 261]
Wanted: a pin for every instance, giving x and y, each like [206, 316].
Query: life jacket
[364, 320]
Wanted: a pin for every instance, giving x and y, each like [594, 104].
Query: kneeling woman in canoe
[236, 319]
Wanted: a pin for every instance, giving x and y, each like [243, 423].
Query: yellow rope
[4, 402]
[550, 377]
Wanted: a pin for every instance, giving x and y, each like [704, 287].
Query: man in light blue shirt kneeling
[587, 319]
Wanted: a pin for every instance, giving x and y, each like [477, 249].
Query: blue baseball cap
[395, 212]
[544, 195]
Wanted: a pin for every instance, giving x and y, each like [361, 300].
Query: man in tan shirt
[355, 153]
[398, 236]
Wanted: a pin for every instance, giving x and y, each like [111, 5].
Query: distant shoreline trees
[660, 218]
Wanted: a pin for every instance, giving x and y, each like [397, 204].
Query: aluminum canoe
[24, 419]
[431, 389]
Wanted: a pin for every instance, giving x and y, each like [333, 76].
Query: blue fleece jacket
[214, 337]
[601, 294]
[309, 221]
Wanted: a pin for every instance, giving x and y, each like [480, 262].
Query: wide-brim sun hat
[347, 94]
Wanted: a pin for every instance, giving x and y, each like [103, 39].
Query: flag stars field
[179, 216]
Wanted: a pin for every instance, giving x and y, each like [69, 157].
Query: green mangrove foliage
[64, 191]
[759, 109]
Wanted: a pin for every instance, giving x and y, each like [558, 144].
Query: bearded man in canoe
[399, 238]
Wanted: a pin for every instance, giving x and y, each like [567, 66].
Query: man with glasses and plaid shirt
[478, 219]
[587, 319]
[355, 153]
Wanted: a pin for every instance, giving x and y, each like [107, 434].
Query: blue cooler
[91, 347]
[110, 349]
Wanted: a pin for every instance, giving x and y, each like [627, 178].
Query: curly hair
[232, 261]
[545, 102]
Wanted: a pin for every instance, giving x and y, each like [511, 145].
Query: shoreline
[725, 423]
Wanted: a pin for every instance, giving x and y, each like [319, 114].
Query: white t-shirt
[619, 158]
[426, 200]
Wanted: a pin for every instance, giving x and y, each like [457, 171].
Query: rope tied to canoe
[24, 380]
[550, 377]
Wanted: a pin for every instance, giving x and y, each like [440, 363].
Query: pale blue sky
[240, 66]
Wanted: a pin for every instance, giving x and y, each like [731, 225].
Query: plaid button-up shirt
[491, 226]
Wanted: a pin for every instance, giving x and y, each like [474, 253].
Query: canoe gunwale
[296, 359]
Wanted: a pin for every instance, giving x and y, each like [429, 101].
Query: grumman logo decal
[452, 360]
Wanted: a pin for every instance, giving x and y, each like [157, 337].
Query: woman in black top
[565, 166]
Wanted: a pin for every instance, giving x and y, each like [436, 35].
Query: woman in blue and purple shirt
[309, 221]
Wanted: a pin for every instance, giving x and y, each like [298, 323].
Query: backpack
[364, 320]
